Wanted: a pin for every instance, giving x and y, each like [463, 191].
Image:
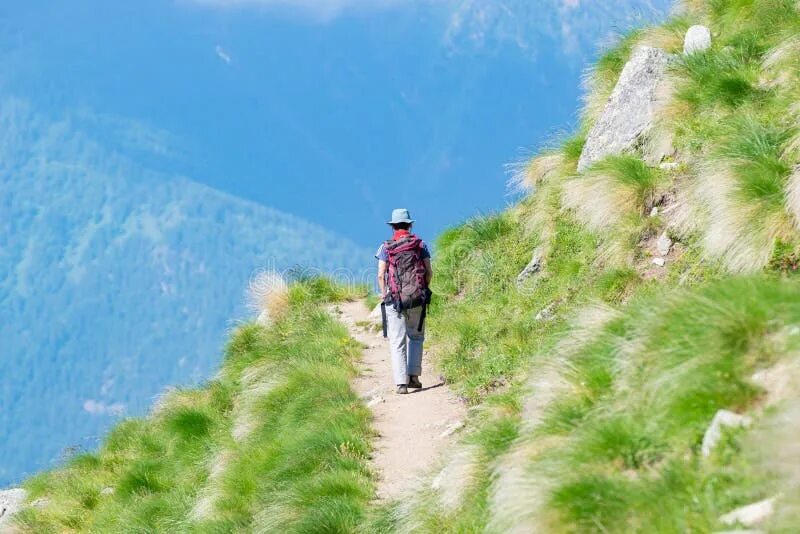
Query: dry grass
[730, 233]
[517, 497]
[526, 176]
[597, 201]
[659, 141]
[793, 195]
[457, 476]
[596, 93]
[669, 38]
[779, 454]
[267, 296]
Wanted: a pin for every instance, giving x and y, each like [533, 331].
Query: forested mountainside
[87, 236]
[626, 336]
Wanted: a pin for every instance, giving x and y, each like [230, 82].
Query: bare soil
[412, 430]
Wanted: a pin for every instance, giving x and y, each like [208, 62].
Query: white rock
[375, 401]
[436, 483]
[663, 244]
[107, 491]
[374, 392]
[698, 38]
[630, 110]
[533, 267]
[723, 418]
[654, 211]
[750, 515]
[451, 429]
[41, 502]
[669, 165]
[659, 261]
[11, 502]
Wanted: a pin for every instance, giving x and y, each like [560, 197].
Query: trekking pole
[424, 312]
[383, 318]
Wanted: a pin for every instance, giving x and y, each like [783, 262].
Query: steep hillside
[629, 331]
[626, 336]
[86, 236]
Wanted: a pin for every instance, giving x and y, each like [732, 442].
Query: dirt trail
[412, 429]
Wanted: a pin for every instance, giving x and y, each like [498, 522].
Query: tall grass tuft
[612, 189]
[267, 296]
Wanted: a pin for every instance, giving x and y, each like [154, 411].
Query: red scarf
[400, 234]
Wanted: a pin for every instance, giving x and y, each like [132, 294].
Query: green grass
[304, 460]
[633, 454]
[633, 174]
[755, 148]
[488, 330]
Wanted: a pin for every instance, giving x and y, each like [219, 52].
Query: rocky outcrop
[750, 515]
[663, 244]
[698, 39]
[11, 502]
[630, 111]
[533, 267]
[723, 418]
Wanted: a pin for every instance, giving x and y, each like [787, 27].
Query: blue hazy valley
[117, 281]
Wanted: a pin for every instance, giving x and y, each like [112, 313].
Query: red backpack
[408, 287]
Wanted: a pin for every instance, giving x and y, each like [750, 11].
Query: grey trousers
[405, 343]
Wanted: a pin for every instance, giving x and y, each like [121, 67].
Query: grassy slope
[591, 420]
[300, 463]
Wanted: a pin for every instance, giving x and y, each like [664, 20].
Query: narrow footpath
[412, 429]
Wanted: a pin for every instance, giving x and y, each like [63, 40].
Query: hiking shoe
[402, 389]
[414, 383]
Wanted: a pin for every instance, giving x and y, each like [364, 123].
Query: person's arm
[428, 271]
[382, 277]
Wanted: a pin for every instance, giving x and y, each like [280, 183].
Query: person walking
[404, 277]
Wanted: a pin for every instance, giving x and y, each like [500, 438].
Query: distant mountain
[116, 279]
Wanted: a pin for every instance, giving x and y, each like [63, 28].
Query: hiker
[404, 276]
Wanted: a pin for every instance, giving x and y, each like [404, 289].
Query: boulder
[698, 38]
[11, 502]
[723, 418]
[630, 111]
[750, 515]
[663, 244]
[660, 262]
[533, 267]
